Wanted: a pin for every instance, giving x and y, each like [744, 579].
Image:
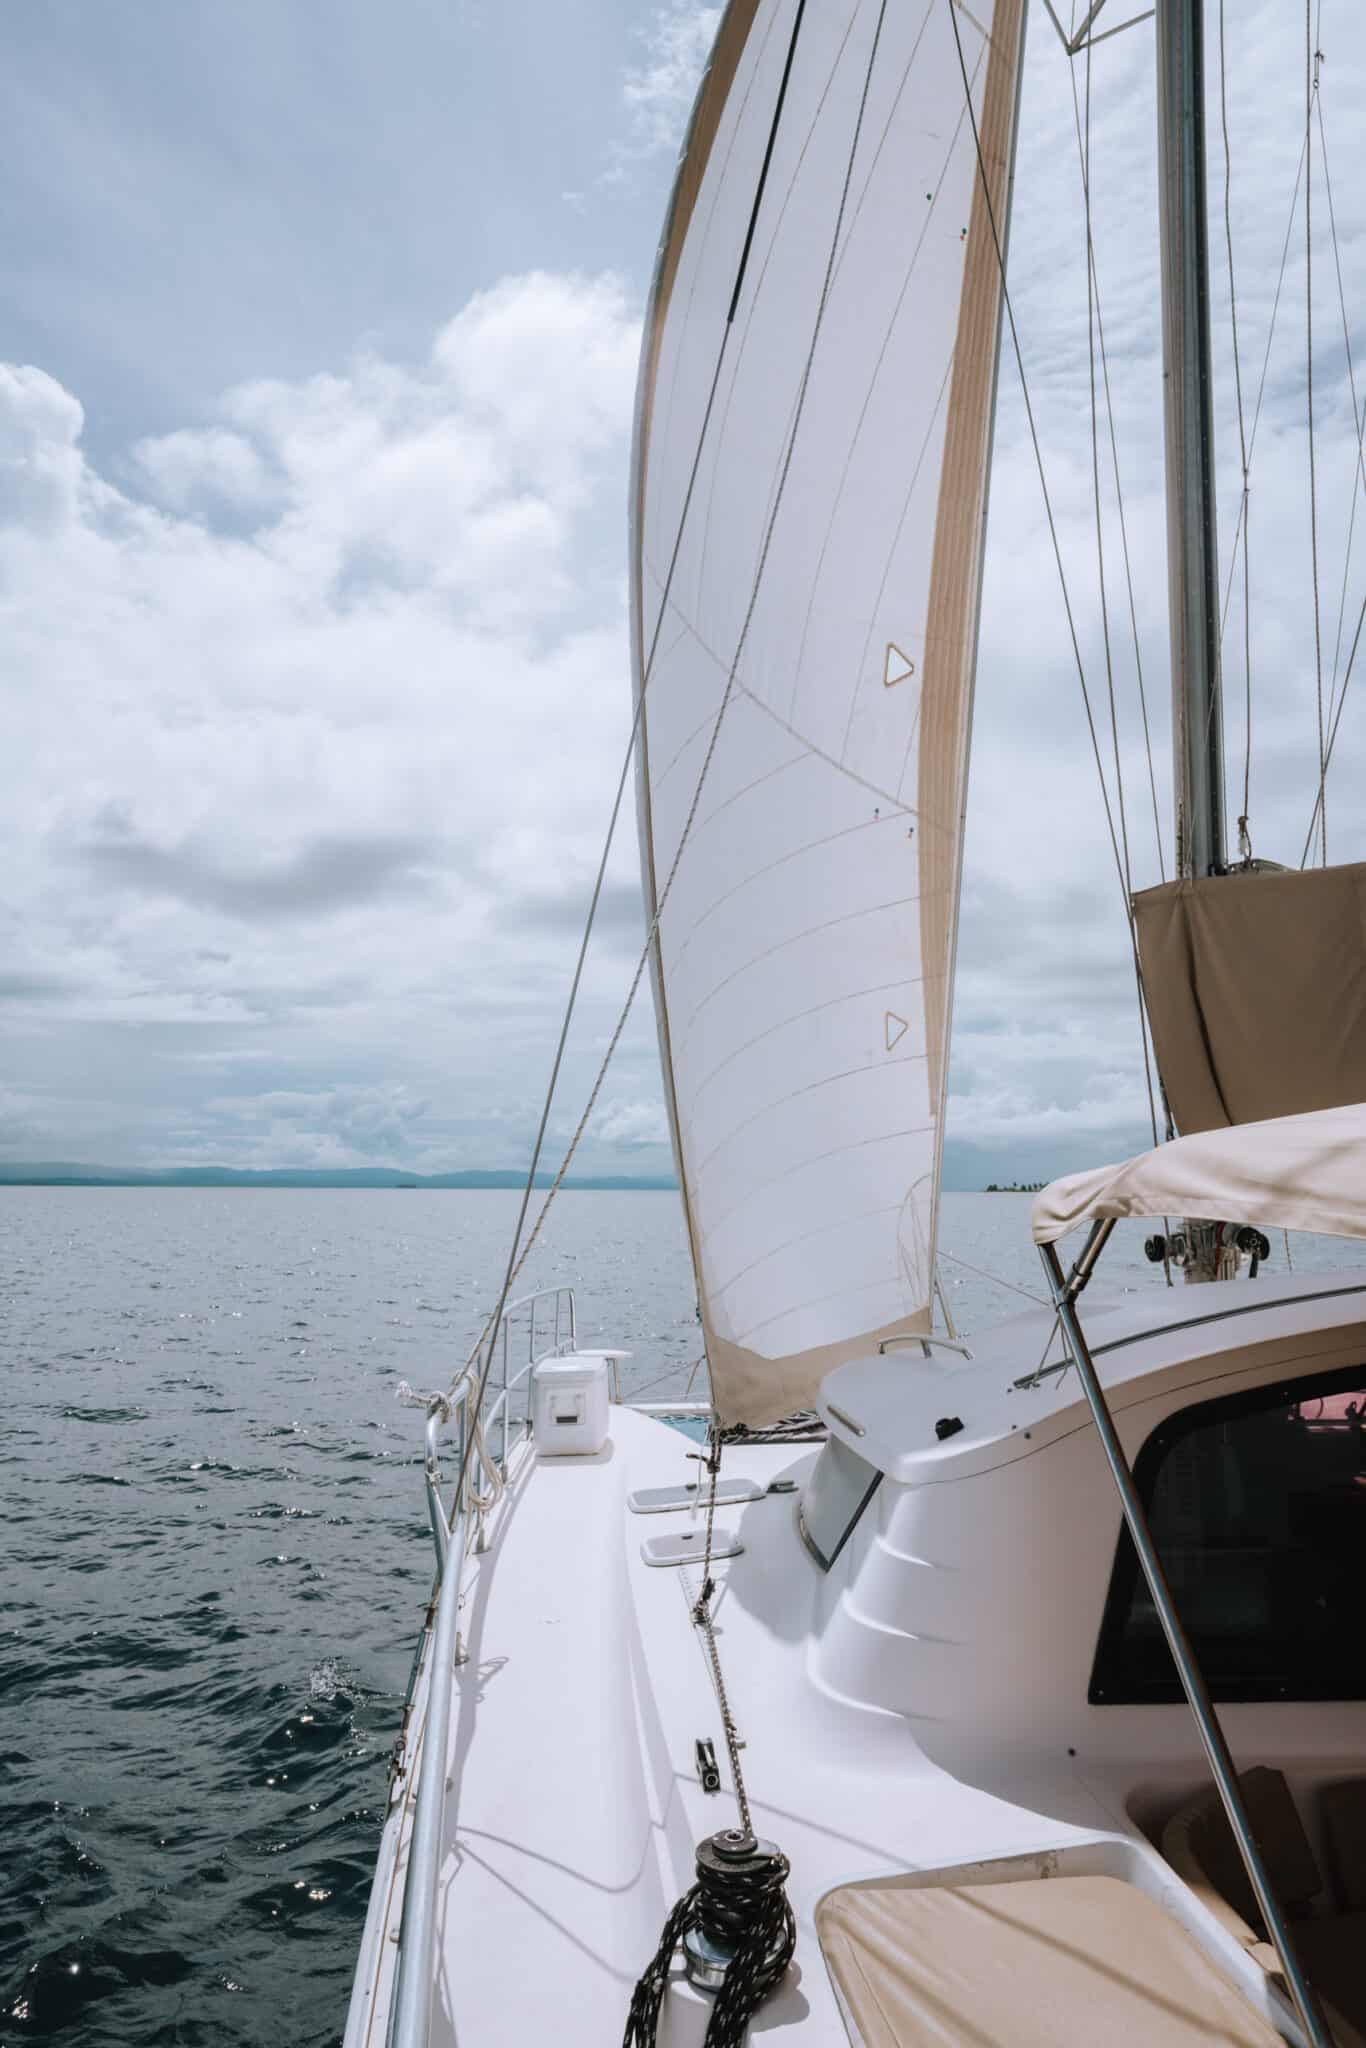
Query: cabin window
[839, 1489]
[1257, 1504]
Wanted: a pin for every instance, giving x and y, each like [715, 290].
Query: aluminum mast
[1192, 551]
[1192, 548]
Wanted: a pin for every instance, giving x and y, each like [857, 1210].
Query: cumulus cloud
[632, 1125]
[313, 725]
[209, 462]
[659, 89]
[316, 699]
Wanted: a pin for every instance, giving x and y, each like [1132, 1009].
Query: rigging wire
[1085, 147]
[1092, 298]
[1129, 578]
[1244, 511]
[1266, 363]
[1358, 416]
[518, 1257]
[994, 1278]
[1038, 460]
[520, 1249]
[1337, 697]
[1311, 83]
[1333, 729]
[730, 685]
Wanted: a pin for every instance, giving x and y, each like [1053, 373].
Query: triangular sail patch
[896, 666]
[897, 1027]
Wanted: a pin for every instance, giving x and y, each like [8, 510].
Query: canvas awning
[1292, 1173]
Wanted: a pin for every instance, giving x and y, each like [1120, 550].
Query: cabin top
[924, 1420]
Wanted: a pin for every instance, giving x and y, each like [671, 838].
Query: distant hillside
[62, 1174]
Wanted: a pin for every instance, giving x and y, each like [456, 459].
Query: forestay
[809, 510]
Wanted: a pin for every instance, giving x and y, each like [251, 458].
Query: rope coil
[738, 1936]
[735, 1925]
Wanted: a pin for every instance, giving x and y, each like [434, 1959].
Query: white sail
[806, 559]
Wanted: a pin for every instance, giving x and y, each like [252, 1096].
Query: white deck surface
[574, 1806]
[575, 1797]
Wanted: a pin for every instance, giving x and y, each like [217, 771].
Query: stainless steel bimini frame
[1065, 1290]
[550, 1331]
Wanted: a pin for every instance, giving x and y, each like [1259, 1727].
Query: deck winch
[737, 1934]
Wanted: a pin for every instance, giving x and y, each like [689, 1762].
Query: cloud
[41, 472]
[314, 722]
[659, 90]
[631, 1125]
[333, 1125]
[316, 699]
[211, 463]
[326, 874]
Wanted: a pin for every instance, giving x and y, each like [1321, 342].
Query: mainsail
[812, 443]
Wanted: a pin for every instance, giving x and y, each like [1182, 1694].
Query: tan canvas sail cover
[807, 549]
[1256, 989]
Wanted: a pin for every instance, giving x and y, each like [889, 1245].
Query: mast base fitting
[1243, 1237]
[736, 1874]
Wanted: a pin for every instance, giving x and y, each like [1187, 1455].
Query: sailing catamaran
[890, 1714]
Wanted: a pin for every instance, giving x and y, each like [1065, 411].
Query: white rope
[414, 1397]
[486, 1498]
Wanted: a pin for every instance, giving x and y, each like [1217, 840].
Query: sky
[317, 360]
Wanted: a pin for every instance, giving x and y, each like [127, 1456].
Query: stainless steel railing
[547, 1322]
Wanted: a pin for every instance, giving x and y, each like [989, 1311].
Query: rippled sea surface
[216, 1560]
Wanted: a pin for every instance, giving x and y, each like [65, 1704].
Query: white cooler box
[569, 1412]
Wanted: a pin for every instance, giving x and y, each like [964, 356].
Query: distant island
[1015, 1187]
[61, 1175]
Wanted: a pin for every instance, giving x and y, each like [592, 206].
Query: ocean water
[216, 1559]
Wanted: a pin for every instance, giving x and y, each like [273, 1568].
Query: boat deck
[575, 1803]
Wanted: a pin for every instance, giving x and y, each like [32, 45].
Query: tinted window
[839, 1489]
[1257, 1505]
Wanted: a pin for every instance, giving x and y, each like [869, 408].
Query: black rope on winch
[738, 1937]
[735, 1925]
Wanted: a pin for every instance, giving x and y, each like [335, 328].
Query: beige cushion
[1343, 1808]
[1061, 1962]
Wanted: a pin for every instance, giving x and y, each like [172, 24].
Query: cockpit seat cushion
[1057, 1962]
[1198, 1842]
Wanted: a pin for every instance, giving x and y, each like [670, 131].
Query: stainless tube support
[927, 1343]
[437, 1415]
[417, 1937]
[1065, 1290]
